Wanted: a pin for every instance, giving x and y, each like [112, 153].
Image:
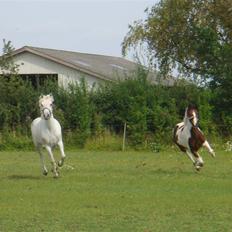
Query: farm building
[64, 67]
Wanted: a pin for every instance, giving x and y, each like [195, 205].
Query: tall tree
[193, 37]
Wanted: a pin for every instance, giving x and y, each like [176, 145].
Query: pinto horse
[189, 138]
[46, 132]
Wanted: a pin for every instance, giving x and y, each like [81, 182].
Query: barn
[64, 67]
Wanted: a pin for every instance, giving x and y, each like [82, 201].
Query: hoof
[56, 169]
[198, 165]
[56, 175]
[212, 154]
[45, 173]
[60, 163]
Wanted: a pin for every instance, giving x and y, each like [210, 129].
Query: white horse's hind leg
[44, 169]
[211, 151]
[61, 146]
[54, 168]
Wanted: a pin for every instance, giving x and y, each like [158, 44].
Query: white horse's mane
[46, 97]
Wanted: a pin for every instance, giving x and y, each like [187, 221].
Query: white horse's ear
[51, 97]
[40, 98]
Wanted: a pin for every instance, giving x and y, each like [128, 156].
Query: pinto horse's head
[191, 114]
[46, 104]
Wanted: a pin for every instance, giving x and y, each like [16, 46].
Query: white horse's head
[46, 104]
[191, 115]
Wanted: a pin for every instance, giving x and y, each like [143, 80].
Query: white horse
[189, 138]
[46, 132]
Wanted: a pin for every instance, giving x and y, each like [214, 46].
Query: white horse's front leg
[54, 168]
[61, 146]
[211, 151]
[44, 169]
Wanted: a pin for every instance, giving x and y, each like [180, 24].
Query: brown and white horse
[189, 138]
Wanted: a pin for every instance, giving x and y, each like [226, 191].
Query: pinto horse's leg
[44, 169]
[199, 161]
[54, 168]
[189, 154]
[61, 146]
[211, 151]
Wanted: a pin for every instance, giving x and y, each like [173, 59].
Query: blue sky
[89, 26]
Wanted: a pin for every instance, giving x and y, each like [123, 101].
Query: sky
[88, 26]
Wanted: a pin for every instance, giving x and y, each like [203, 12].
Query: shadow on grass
[24, 177]
[173, 171]
[177, 171]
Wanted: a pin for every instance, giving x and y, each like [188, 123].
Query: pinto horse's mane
[190, 111]
[192, 107]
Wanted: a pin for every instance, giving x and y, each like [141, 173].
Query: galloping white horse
[189, 138]
[46, 132]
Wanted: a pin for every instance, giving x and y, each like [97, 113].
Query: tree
[16, 97]
[125, 102]
[7, 66]
[193, 37]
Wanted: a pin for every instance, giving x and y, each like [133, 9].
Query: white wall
[33, 64]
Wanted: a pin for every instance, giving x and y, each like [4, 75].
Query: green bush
[149, 111]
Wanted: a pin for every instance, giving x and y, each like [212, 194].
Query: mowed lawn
[116, 191]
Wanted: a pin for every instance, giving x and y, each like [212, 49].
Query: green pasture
[116, 191]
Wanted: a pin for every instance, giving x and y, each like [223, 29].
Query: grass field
[116, 191]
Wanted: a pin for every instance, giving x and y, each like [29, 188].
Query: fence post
[124, 137]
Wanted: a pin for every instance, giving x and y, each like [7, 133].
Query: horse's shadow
[23, 177]
[174, 171]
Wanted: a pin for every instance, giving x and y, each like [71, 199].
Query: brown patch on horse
[190, 113]
[191, 110]
[196, 140]
[182, 148]
[175, 138]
